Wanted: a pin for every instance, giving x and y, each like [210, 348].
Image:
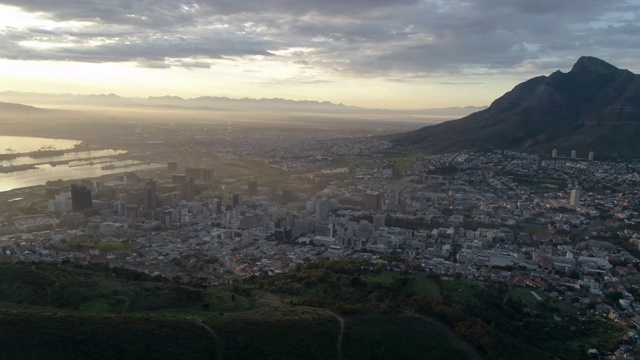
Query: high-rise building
[132, 211]
[200, 174]
[150, 195]
[574, 154]
[322, 210]
[193, 172]
[252, 188]
[574, 199]
[80, 198]
[188, 189]
[178, 178]
[554, 153]
[372, 201]
[61, 203]
[129, 178]
[236, 199]
[592, 155]
[224, 195]
[397, 197]
[216, 206]
[136, 197]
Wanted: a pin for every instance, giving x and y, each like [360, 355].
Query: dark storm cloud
[379, 37]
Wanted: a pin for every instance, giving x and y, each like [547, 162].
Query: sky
[396, 54]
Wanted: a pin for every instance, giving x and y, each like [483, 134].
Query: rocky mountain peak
[589, 65]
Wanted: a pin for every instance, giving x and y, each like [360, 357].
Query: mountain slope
[13, 108]
[593, 107]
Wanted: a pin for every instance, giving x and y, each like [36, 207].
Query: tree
[614, 296]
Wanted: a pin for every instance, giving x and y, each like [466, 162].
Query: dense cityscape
[564, 228]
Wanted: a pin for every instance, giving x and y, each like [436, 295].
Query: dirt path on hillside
[126, 302]
[460, 343]
[196, 320]
[340, 320]
[341, 335]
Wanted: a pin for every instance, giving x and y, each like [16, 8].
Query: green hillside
[321, 310]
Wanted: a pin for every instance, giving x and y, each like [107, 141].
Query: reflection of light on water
[46, 172]
[23, 144]
[69, 156]
[86, 164]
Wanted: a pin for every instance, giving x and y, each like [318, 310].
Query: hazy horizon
[19, 97]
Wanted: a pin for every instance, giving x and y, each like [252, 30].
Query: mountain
[13, 108]
[593, 107]
[226, 104]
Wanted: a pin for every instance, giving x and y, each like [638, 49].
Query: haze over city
[408, 54]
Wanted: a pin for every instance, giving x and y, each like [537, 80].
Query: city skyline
[406, 54]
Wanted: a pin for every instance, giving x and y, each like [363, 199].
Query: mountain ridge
[68, 97]
[593, 107]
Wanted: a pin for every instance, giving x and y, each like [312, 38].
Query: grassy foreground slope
[285, 332]
[346, 309]
[401, 337]
[64, 312]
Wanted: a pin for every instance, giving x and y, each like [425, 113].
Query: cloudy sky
[373, 53]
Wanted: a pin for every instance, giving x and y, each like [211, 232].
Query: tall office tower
[574, 200]
[397, 197]
[80, 198]
[224, 194]
[322, 210]
[150, 195]
[554, 153]
[252, 188]
[574, 154]
[132, 211]
[372, 201]
[200, 174]
[188, 189]
[236, 199]
[129, 178]
[592, 155]
[193, 172]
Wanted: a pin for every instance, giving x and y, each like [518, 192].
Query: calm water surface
[46, 172]
[22, 144]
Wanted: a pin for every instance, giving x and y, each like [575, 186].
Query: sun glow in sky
[399, 54]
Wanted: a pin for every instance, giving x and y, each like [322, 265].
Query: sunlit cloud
[315, 42]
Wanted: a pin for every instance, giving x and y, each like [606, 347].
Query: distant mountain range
[593, 107]
[210, 103]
